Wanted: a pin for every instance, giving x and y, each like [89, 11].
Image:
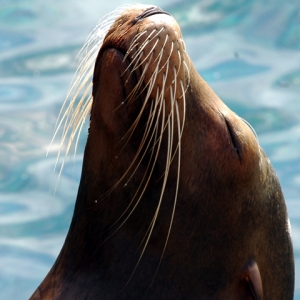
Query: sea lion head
[177, 199]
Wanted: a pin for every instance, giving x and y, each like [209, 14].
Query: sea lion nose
[149, 12]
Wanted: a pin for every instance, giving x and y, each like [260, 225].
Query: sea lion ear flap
[251, 276]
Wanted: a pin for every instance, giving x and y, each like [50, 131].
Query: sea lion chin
[176, 200]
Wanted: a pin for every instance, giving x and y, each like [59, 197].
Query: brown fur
[229, 237]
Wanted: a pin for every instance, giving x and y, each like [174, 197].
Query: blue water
[248, 51]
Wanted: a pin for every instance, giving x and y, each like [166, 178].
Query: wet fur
[176, 199]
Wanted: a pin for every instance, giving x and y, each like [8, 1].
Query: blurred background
[247, 50]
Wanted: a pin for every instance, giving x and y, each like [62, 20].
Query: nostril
[149, 12]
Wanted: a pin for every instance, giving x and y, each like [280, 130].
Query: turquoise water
[248, 51]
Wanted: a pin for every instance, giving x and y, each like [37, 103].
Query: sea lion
[176, 199]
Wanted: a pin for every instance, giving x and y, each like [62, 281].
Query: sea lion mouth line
[155, 10]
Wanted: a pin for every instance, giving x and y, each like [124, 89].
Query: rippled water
[249, 52]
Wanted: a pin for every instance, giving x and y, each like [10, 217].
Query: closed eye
[234, 138]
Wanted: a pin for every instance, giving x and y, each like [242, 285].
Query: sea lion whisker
[85, 111]
[134, 43]
[134, 62]
[158, 206]
[154, 134]
[144, 138]
[80, 75]
[137, 36]
[83, 67]
[83, 74]
[82, 111]
[145, 237]
[161, 96]
[68, 123]
[152, 151]
[88, 59]
[252, 129]
[146, 176]
[131, 96]
[153, 112]
[133, 59]
[179, 131]
[141, 79]
[68, 111]
[60, 120]
[104, 24]
[152, 80]
[76, 113]
[158, 99]
[91, 45]
[154, 74]
[133, 93]
[146, 133]
[169, 56]
[150, 85]
[76, 129]
[183, 117]
[171, 116]
[135, 123]
[59, 151]
[175, 78]
[134, 159]
[86, 70]
[166, 173]
[77, 132]
[76, 126]
[150, 39]
[129, 51]
[144, 43]
[97, 34]
[144, 59]
[179, 64]
[150, 117]
[161, 52]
